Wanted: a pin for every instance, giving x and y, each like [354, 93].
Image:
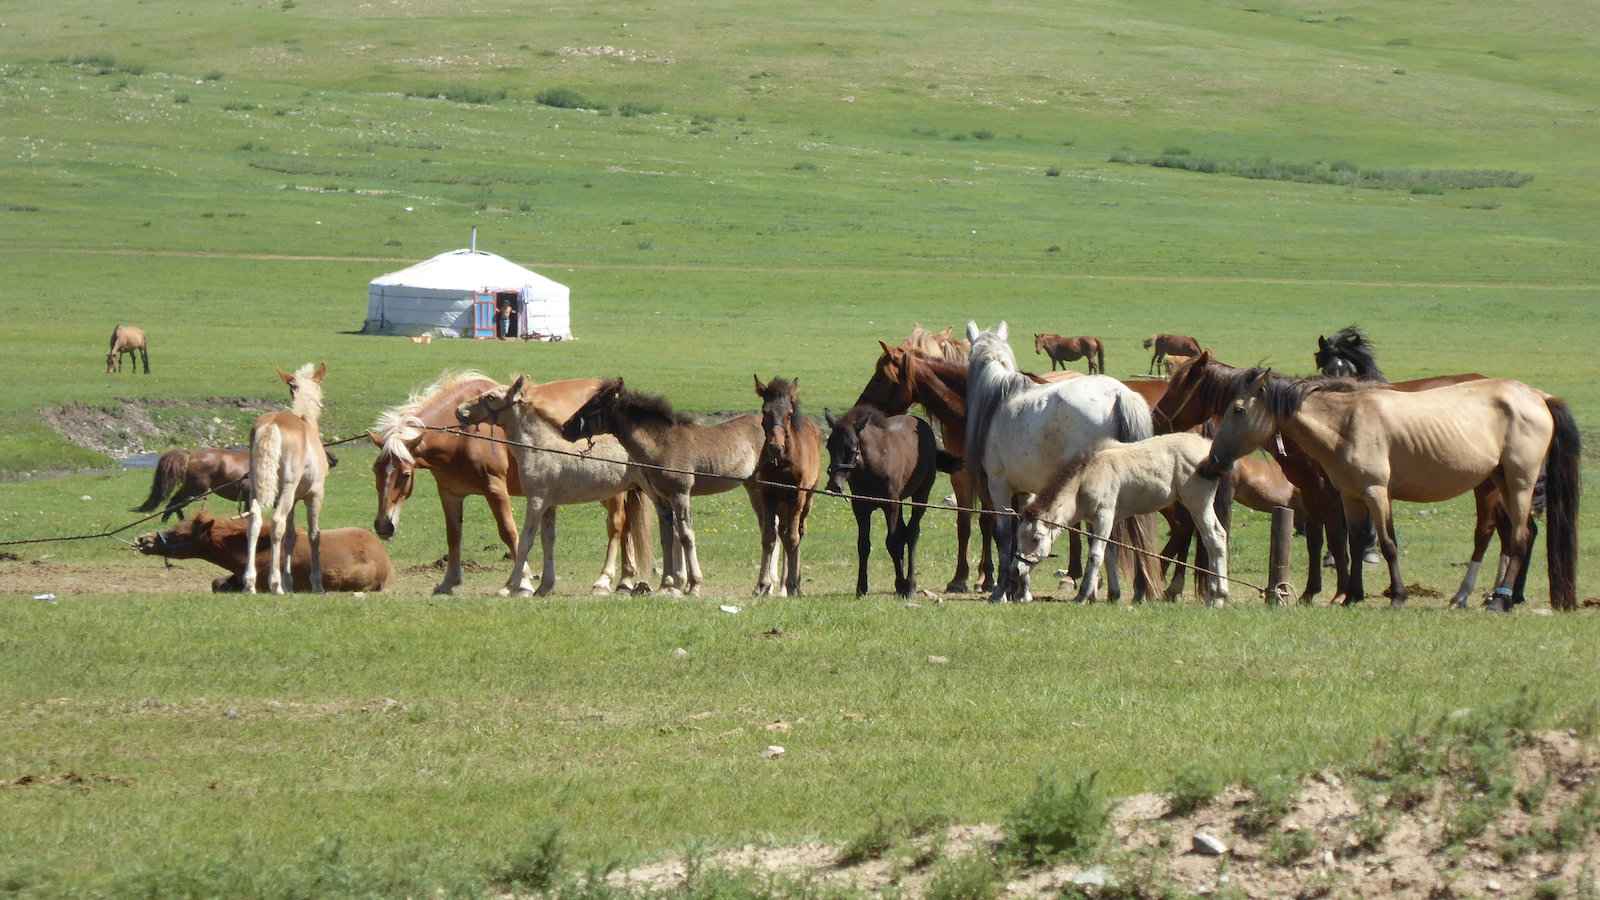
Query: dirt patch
[132, 427]
[1325, 845]
[69, 779]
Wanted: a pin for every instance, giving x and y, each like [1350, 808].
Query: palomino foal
[287, 464]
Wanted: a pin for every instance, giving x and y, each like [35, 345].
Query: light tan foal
[288, 463]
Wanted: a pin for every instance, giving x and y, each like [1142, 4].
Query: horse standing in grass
[1380, 445]
[1123, 480]
[1164, 344]
[194, 473]
[721, 456]
[289, 464]
[1019, 432]
[128, 339]
[885, 459]
[1063, 350]
[790, 455]
[465, 466]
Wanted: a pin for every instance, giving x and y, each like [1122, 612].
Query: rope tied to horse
[164, 511]
[1260, 590]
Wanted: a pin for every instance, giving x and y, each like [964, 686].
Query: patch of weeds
[922, 131]
[983, 134]
[180, 99]
[1397, 42]
[240, 107]
[1427, 189]
[391, 243]
[1053, 248]
[1549, 889]
[1192, 788]
[287, 5]
[1516, 847]
[1175, 151]
[121, 84]
[1270, 800]
[212, 75]
[1052, 172]
[21, 207]
[1056, 822]
[208, 215]
[805, 166]
[1530, 798]
[972, 877]
[250, 146]
[958, 136]
[873, 843]
[1369, 829]
[1587, 722]
[1574, 825]
[1421, 181]
[565, 98]
[647, 245]
[1489, 204]
[1470, 819]
[525, 206]
[534, 868]
[630, 110]
[1289, 847]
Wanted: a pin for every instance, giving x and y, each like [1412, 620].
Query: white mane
[992, 378]
[307, 394]
[398, 426]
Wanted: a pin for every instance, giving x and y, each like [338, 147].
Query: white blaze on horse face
[1034, 538]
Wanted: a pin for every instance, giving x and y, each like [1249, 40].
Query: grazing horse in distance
[1380, 445]
[1019, 432]
[288, 464]
[1121, 480]
[790, 455]
[193, 473]
[1164, 344]
[721, 456]
[353, 559]
[884, 459]
[464, 466]
[128, 339]
[1063, 350]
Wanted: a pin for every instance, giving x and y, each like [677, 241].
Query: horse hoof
[639, 589]
[546, 588]
[600, 591]
[672, 592]
[956, 586]
[444, 590]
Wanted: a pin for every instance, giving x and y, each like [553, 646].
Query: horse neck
[308, 406]
[1309, 428]
[942, 388]
[645, 440]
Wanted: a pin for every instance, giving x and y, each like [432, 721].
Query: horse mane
[645, 407]
[992, 379]
[1351, 344]
[308, 393]
[860, 416]
[1063, 479]
[937, 345]
[1284, 396]
[1220, 384]
[392, 423]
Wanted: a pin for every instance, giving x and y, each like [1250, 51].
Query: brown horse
[288, 464]
[790, 455]
[884, 459]
[1380, 445]
[128, 339]
[192, 473]
[1069, 349]
[722, 456]
[465, 467]
[353, 559]
[1164, 344]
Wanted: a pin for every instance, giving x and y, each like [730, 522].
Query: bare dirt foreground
[1341, 837]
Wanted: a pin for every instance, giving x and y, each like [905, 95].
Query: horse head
[844, 450]
[593, 417]
[1181, 407]
[180, 542]
[491, 405]
[890, 388]
[1249, 421]
[394, 471]
[780, 407]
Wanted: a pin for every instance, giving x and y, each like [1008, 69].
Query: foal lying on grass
[353, 559]
[1126, 480]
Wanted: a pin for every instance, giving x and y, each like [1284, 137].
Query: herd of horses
[1034, 452]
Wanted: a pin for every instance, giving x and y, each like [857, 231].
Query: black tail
[1563, 484]
[170, 470]
[1101, 352]
[947, 461]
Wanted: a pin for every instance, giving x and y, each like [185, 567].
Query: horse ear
[794, 385]
[322, 369]
[287, 378]
[828, 417]
[515, 391]
[1260, 380]
[972, 330]
[1322, 342]
[761, 389]
[1002, 331]
[885, 347]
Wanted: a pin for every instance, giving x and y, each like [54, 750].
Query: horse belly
[1436, 473]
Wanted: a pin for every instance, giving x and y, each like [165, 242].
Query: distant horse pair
[1063, 350]
[130, 340]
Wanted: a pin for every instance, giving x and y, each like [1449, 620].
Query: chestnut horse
[128, 339]
[465, 467]
[1425, 447]
[1164, 344]
[288, 464]
[193, 473]
[353, 559]
[790, 455]
[1069, 349]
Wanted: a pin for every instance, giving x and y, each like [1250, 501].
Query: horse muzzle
[383, 527]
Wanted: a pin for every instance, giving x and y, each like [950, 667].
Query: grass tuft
[975, 876]
[1271, 798]
[535, 867]
[565, 98]
[1055, 822]
[1191, 789]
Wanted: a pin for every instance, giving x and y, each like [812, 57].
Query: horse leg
[912, 533]
[1486, 499]
[684, 524]
[769, 547]
[961, 486]
[1074, 555]
[144, 354]
[1337, 525]
[452, 505]
[1005, 529]
[863, 513]
[1521, 581]
[1518, 499]
[547, 534]
[616, 536]
[1101, 525]
[282, 532]
[1356, 526]
[895, 540]
[1215, 538]
[1178, 548]
[792, 532]
[252, 538]
[669, 546]
[1378, 513]
[519, 584]
[1313, 538]
[314, 536]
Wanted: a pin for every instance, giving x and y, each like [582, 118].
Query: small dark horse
[790, 455]
[191, 473]
[885, 459]
[1162, 344]
[1070, 349]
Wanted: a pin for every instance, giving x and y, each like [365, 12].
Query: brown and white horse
[288, 464]
[1063, 350]
[790, 455]
[128, 339]
[464, 466]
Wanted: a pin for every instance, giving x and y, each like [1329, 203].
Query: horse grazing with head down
[466, 465]
[128, 339]
[288, 464]
[720, 456]
[353, 559]
[1069, 349]
[1164, 344]
[790, 455]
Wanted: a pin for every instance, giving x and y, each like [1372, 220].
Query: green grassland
[767, 189]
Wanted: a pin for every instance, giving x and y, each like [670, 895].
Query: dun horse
[128, 339]
[1164, 344]
[1063, 350]
[465, 466]
[288, 464]
[1425, 447]
[192, 473]
[1123, 480]
[790, 455]
[353, 559]
[722, 456]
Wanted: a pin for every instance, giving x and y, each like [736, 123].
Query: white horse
[1124, 480]
[1019, 433]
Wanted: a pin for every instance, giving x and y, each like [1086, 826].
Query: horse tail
[1133, 417]
[266, 452]
[1142, 562]
[640, 532]
[945, 461]
[170, 470]
[1100, 353]
[1563, 484]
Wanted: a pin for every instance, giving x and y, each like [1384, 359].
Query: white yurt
[469, 293]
